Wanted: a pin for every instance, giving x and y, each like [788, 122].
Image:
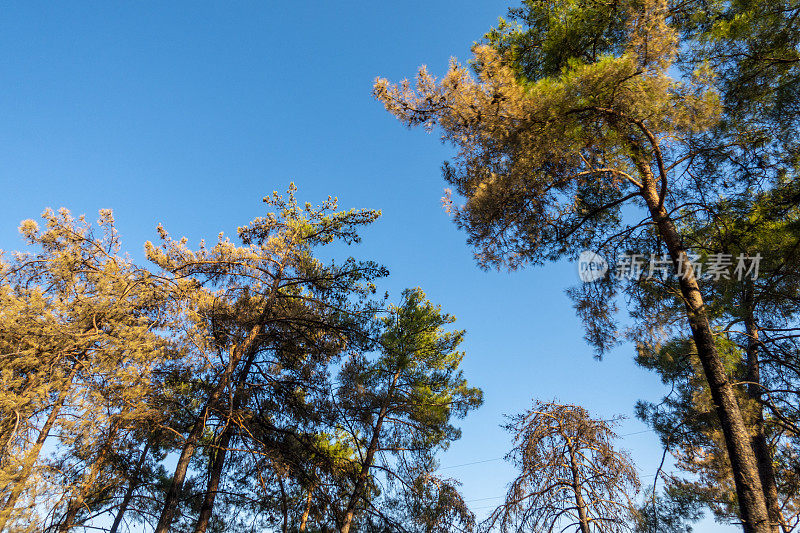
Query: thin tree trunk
[752, 504]
[361, 481]
[583, 518]
[69, 518]
[131, 488]
[173, 494]
[760, 445]
[307, 511]
[9, 426]
[284, 505]
[214, 475]
[176, 486]
[240, 351]
[218, 463]
[33, 455]
[77, 501]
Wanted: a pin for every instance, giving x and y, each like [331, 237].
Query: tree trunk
[8, 429]
[307, 511]
[284, 505]
[752, 504]
[245, 350]
[33, 455]
[214, 475]
[361, 481]
[77, 501]
[131, 488]
[583, 518]
[215, 470]
[69, 518]
[173, 494]
[760, 445]
[176, 486]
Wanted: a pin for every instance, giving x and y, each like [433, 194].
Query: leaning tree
[598, 126]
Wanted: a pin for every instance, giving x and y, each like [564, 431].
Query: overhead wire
[503, 457]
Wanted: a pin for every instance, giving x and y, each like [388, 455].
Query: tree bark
[69, 518]
[214, 475]
[181, 468]
[33, 455]
[178, 478]
[77, 501]
[284, 505]
[307, 511]
[749, 490]
[760, 445]
[237, 354]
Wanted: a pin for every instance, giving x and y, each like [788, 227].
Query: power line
[480, 507]
[484, 499]
[636, 433]
[503, 457]
[472, 463]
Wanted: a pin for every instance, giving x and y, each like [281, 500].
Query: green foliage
[765, 224]
[646, 126]
[398, 405]
[542, 38]
[545, 161]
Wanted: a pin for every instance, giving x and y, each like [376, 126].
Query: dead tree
[571, 478]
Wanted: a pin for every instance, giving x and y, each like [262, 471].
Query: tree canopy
[622, 127]
[223, 388]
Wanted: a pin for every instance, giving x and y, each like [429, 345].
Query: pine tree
[583, 108]
[272, 315]
[570, 474]
[757, 327]
[223, 359]
[80, 337]
[400, 403]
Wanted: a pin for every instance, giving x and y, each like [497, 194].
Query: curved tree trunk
[284, 505]
[33, 455]
[214, 476]
[243, 351]
[580, 504]
[90, 477]
[218, 463]
[750, 493]
[307, 511]
[363, 475]
[173, 495]
[182, 467]
[69, 519]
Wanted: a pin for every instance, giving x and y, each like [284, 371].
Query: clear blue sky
[188, 114]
